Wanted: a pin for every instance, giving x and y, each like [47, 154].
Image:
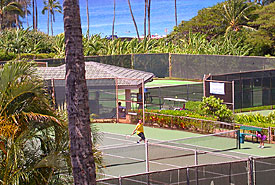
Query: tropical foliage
[34, 141]
[249, 20]
[214, 107]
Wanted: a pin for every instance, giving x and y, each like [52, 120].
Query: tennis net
[175, 153]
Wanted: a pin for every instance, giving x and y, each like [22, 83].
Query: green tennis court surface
[124, 156]
[161, 83]
[262, 112]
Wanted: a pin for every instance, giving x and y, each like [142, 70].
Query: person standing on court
[140, 131]
[262, 138]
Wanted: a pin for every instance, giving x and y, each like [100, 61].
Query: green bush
[7, 56]
[256, 119]
[214, 107]
[36, 56]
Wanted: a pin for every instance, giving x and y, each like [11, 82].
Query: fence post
[187, 177]
[269, 134]
[170, 66]
[250, 171]
[147, 156]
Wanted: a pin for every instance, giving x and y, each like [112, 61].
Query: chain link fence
[180, 65]
[251, 89]
[252, 171]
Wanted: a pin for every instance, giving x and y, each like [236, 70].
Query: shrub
[213, 106]
[36, 56]
[7, 56]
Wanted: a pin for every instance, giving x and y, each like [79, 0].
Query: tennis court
[167, 149]
[163, 82]
[262, 112]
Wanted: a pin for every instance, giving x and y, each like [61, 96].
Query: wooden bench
[242, 134]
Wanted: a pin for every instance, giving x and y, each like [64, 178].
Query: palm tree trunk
[26, 13]
[52, 23]
[113, 28]
[48, 23]
[149, 14]
[33, 15]
[133, 19]
[88, 19]
[145, 10]
[36, 15]
[176, 16]
[77, 98]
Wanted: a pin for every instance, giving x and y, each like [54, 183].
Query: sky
[101, 16]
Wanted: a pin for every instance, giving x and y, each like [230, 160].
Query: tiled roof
[98, 70]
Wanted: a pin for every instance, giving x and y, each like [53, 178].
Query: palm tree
[113, 27]
[149, 18]
[26, 116]
[9, 6]
[133, 19]
[88, 19]
[33, 15]
[51, 6]
[145, 11]
[77, 98]
[235, 14]
[176, 16]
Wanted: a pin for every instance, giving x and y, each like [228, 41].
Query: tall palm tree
[33, 15]
[135, 24]
[145, 12]
[51, 6]
[77, 98]
[176, 16]
[113, 27]
[88, 19]
[149, 18]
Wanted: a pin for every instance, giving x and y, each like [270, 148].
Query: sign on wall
[217, 88]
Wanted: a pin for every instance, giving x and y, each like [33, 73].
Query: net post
[119, 180]
[238, 139]
[147, 156]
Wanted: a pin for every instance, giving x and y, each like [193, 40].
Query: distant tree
[114, 18]
[149, 18]
[263, 39]
[135, 24]
[145, 17]
[88, 19]
[51, 6]
[208, 21]
[176, 16]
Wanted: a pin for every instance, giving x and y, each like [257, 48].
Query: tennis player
[140, 131]
[262, 138]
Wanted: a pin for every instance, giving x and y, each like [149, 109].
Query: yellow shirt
[139, 128]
